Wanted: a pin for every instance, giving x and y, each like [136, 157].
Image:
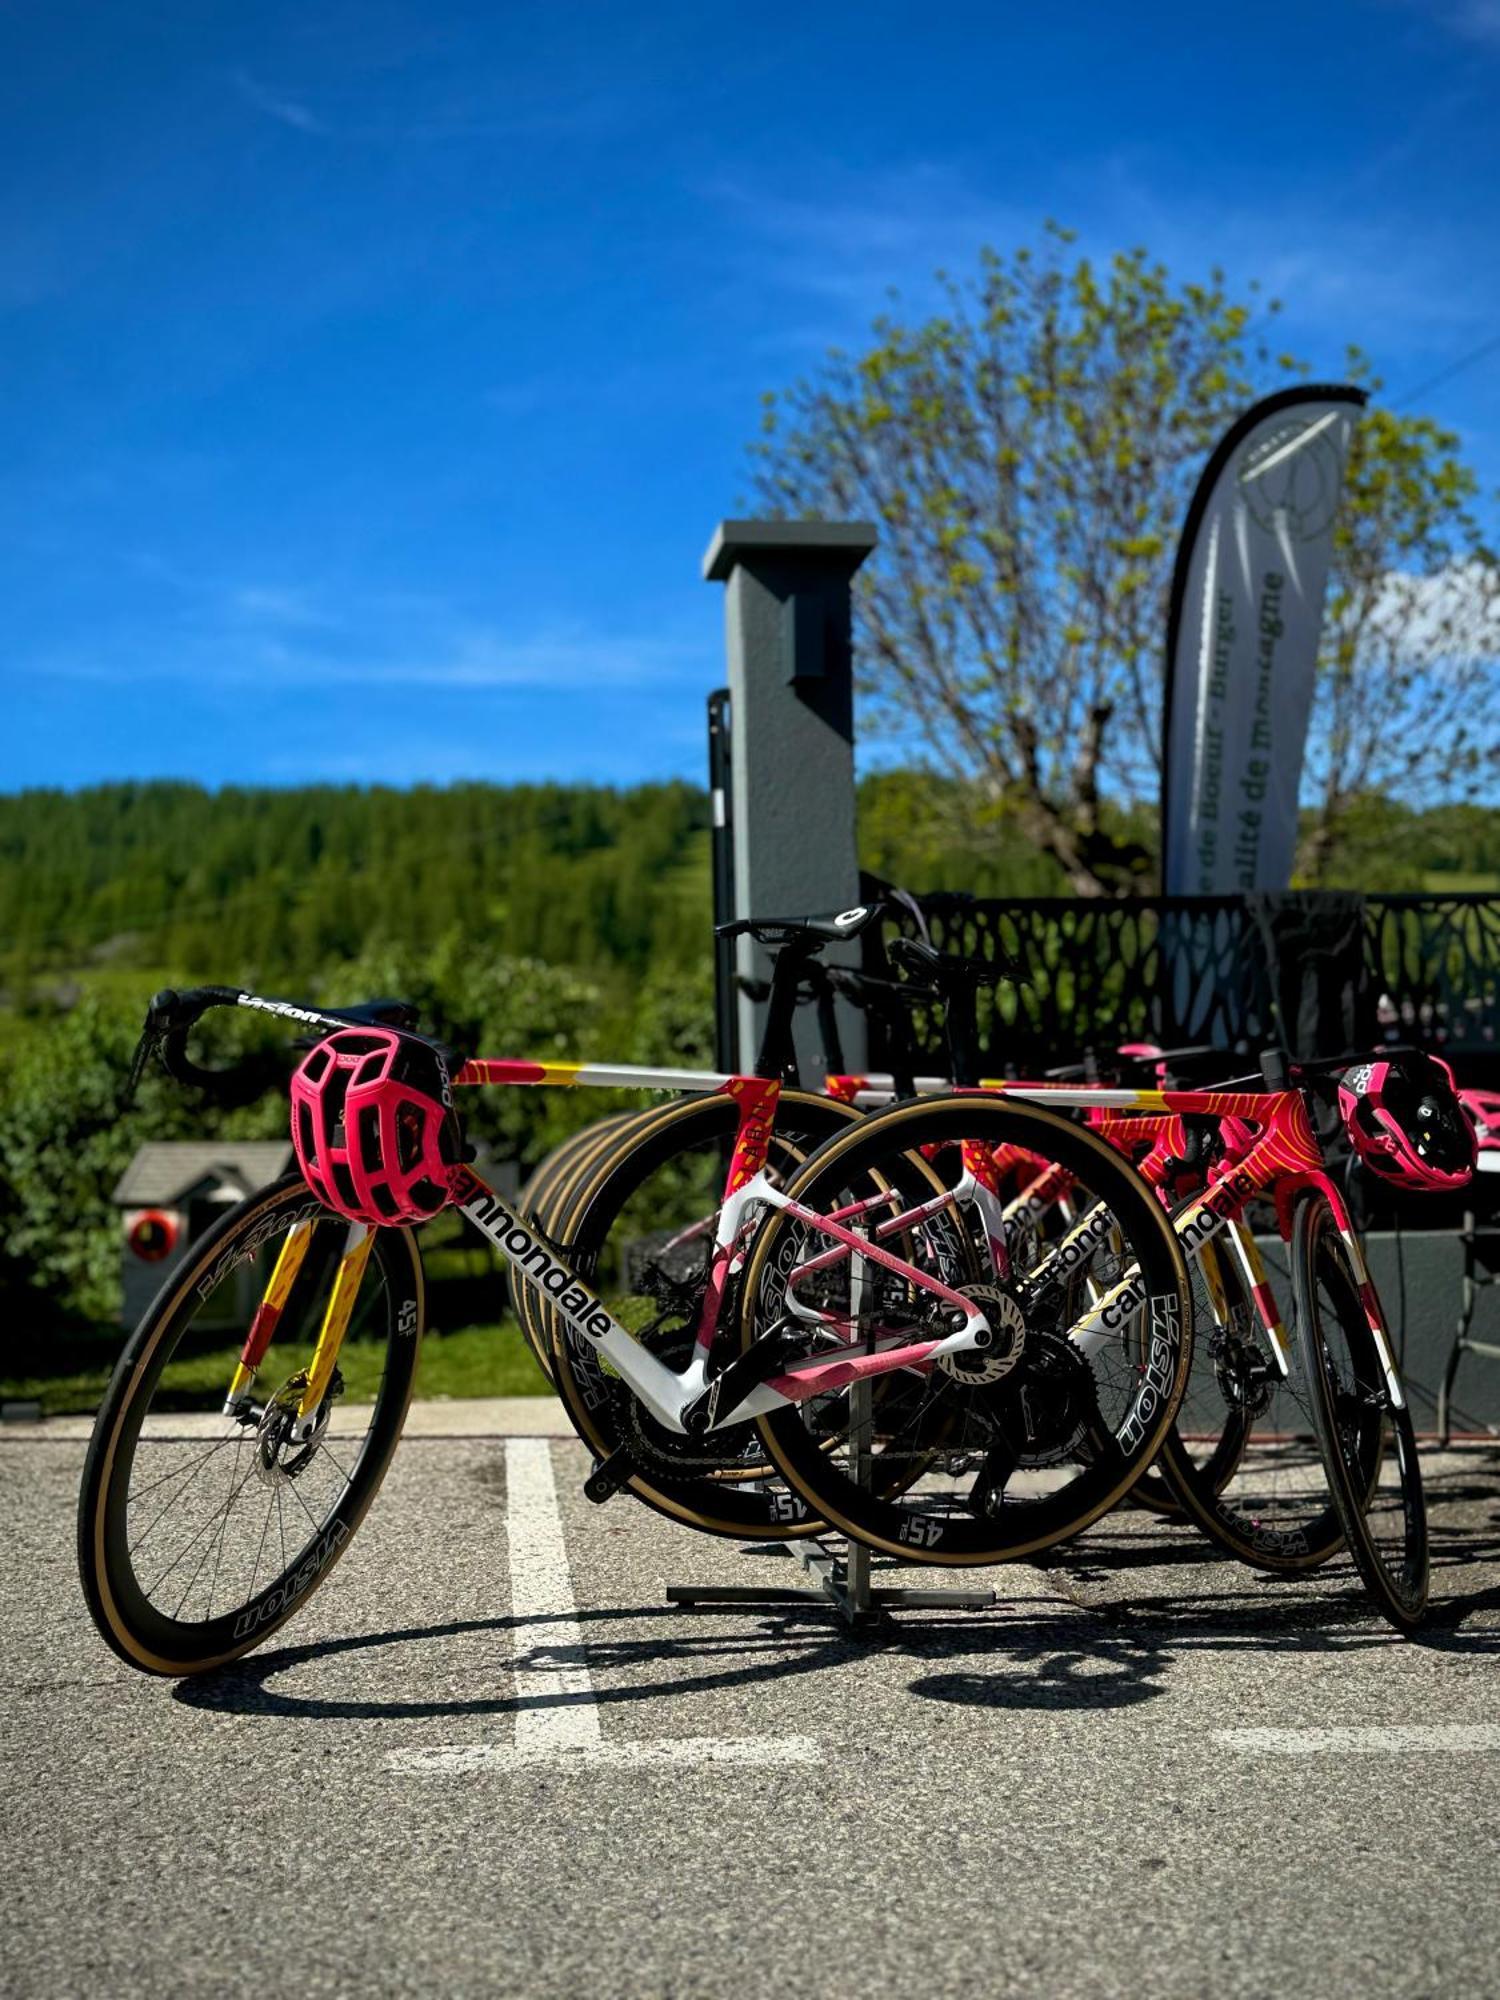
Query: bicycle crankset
[1049, 1406]
[732, 1453]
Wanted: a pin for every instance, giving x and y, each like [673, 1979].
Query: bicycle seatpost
[828, 1020]
[1275, 1067]
[777, 1054]
[961, 1025]
[957, 981]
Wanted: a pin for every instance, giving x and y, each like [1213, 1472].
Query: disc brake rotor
[981, 1367]
[278, 1456]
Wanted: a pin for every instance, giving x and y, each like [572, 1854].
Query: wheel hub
[278, 1456]
[1244, 1374]
[982, 1366]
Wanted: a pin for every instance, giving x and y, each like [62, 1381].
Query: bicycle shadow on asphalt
[1062, 1658]
[783, 1641]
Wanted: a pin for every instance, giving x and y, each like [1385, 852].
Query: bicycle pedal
[609, 1476]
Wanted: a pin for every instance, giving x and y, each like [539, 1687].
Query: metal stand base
[843, 1580]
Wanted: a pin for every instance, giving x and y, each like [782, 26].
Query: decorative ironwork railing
[1312, 971]
[1435, 961]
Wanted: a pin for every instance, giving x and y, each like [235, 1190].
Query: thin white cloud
[479, 660]
[487, 110]
[275, 105]
[1451, 618]
[211, 599]
[1343, 271]
[864, 237]
[1471, 20]
[397, 758]
[270, 604]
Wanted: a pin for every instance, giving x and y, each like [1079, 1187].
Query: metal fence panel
[1313, 971]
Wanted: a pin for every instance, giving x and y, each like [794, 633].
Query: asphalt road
[455, 1772]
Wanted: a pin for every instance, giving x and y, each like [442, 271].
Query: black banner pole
[726, 994]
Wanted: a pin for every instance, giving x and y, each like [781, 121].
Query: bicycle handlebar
[173, 1014]
[949, 971]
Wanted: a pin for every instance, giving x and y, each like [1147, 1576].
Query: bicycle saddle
[811, 930]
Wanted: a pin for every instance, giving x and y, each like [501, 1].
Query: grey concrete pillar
[791, 717]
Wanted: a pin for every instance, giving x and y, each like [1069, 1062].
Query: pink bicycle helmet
[373, 1125]
[1405, 1122]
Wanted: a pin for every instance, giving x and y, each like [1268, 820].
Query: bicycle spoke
[188, 1548]
[218, 1560]
[208, 1549]
[259, 1549]
[325, 1451]
[140, 1492]
[301, 1502]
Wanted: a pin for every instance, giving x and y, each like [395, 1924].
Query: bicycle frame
[688, 1401]
[1280, 1153]
[1271, 1149]
[684, 1402]
[1274, 1149]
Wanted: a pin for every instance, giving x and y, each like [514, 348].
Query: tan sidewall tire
[118, 1407]
[1042, 1123]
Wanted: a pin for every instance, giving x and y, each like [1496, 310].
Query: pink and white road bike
[1010, 1411]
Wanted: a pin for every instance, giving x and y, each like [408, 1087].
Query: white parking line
[557, 1718]
[460, 1760]
[1396, 1739]
[541, 1590]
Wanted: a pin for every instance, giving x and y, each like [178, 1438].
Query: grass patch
[480, 1361]
[489, 1360]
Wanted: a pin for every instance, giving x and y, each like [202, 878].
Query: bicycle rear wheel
[547, 1198]
[641, 1229]
[199, 1533]
[1363, 1424]
[983, 1457]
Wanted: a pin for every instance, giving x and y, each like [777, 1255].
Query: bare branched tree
[1407, 703]
[1029, 453]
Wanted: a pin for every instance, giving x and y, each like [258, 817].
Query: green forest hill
[538, 919]
[261, 884]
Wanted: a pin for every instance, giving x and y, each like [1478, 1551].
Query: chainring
[1050, 1404]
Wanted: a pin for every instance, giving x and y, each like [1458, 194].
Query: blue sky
[374, 375]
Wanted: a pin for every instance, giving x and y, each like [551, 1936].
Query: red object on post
[152, 1235]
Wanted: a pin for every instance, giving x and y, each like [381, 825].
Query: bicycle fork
[358, 1243]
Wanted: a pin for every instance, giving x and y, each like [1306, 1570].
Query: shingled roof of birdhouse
[165, 1170]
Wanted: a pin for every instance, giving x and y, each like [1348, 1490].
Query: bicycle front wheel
[1364, 1425]
[994, 1454]
[199, 1533]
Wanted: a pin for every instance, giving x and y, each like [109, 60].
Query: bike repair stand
[843, 1578]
